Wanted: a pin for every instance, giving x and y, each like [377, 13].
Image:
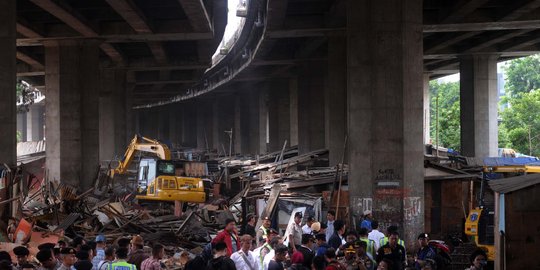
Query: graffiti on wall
[412, 207]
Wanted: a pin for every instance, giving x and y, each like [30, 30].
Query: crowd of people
[313, 245]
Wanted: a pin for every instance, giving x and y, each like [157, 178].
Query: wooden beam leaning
[197, 15]
[75, 21]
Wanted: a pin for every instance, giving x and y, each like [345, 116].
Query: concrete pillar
[162, 118]
[204, 125]
[427, 110]
[478, 91]
[22, 126]
[8, 78]
[384, 87]
[113, 122]
[34, 123]
[293, 111]
[311, 109]
[189, 128]
[336, 100]
[257, 112]
[279, 115]
[176, 118]
[263, 120]
[237, 131]
[72, 111]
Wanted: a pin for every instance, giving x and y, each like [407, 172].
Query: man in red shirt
[229, 237]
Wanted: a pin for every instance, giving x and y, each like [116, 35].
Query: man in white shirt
[306, 229]
[330, 218]
[375, 234]
[244, 259]
[294, 231]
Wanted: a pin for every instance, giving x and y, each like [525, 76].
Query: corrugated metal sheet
[29, 148]
[507, 185]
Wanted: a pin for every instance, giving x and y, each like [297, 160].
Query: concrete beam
[70, 17]
[463, 8]
[26, 31]
[29, 60]
[197, 15]
[523, 9]
[313, 32]
[122, 38]
[165, 82]
[481, 26]
[131, 14]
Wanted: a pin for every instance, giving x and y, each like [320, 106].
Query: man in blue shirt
[366, 222]
[425, 252]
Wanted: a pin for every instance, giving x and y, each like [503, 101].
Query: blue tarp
[503, 161]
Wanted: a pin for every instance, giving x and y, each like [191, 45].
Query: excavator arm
[142, 144]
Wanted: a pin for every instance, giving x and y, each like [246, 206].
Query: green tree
[448, 110]
[523, 76]
[521, 124]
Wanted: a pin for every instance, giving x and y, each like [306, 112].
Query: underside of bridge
[314, 73]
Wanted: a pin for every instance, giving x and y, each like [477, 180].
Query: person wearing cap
[262, 232]
[366, 221]
[315, 228]
[229, 237]
[392, 251]
[349, 258]
[306, 229]
[294, 231]
[250, 226]
[68, 258]
[101, 244]
[121, 261]
[21, 253]
[425, 252]
[245, 259]
[307, 249]
[137, 254]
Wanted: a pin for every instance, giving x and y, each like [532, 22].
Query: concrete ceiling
[168, 44]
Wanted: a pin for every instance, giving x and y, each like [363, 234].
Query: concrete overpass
[306, 71]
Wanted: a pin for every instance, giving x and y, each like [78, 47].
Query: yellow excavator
[480, 221]
[157, 179]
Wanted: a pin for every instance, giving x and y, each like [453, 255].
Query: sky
[455, 77]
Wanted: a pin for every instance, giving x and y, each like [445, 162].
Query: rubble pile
[45, 211]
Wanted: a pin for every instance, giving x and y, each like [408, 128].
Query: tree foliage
[523, 76]
[520, 121]
[448, 109]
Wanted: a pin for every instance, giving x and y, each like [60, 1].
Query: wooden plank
[272, 200]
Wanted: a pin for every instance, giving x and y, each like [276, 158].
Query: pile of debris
[46, 211]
